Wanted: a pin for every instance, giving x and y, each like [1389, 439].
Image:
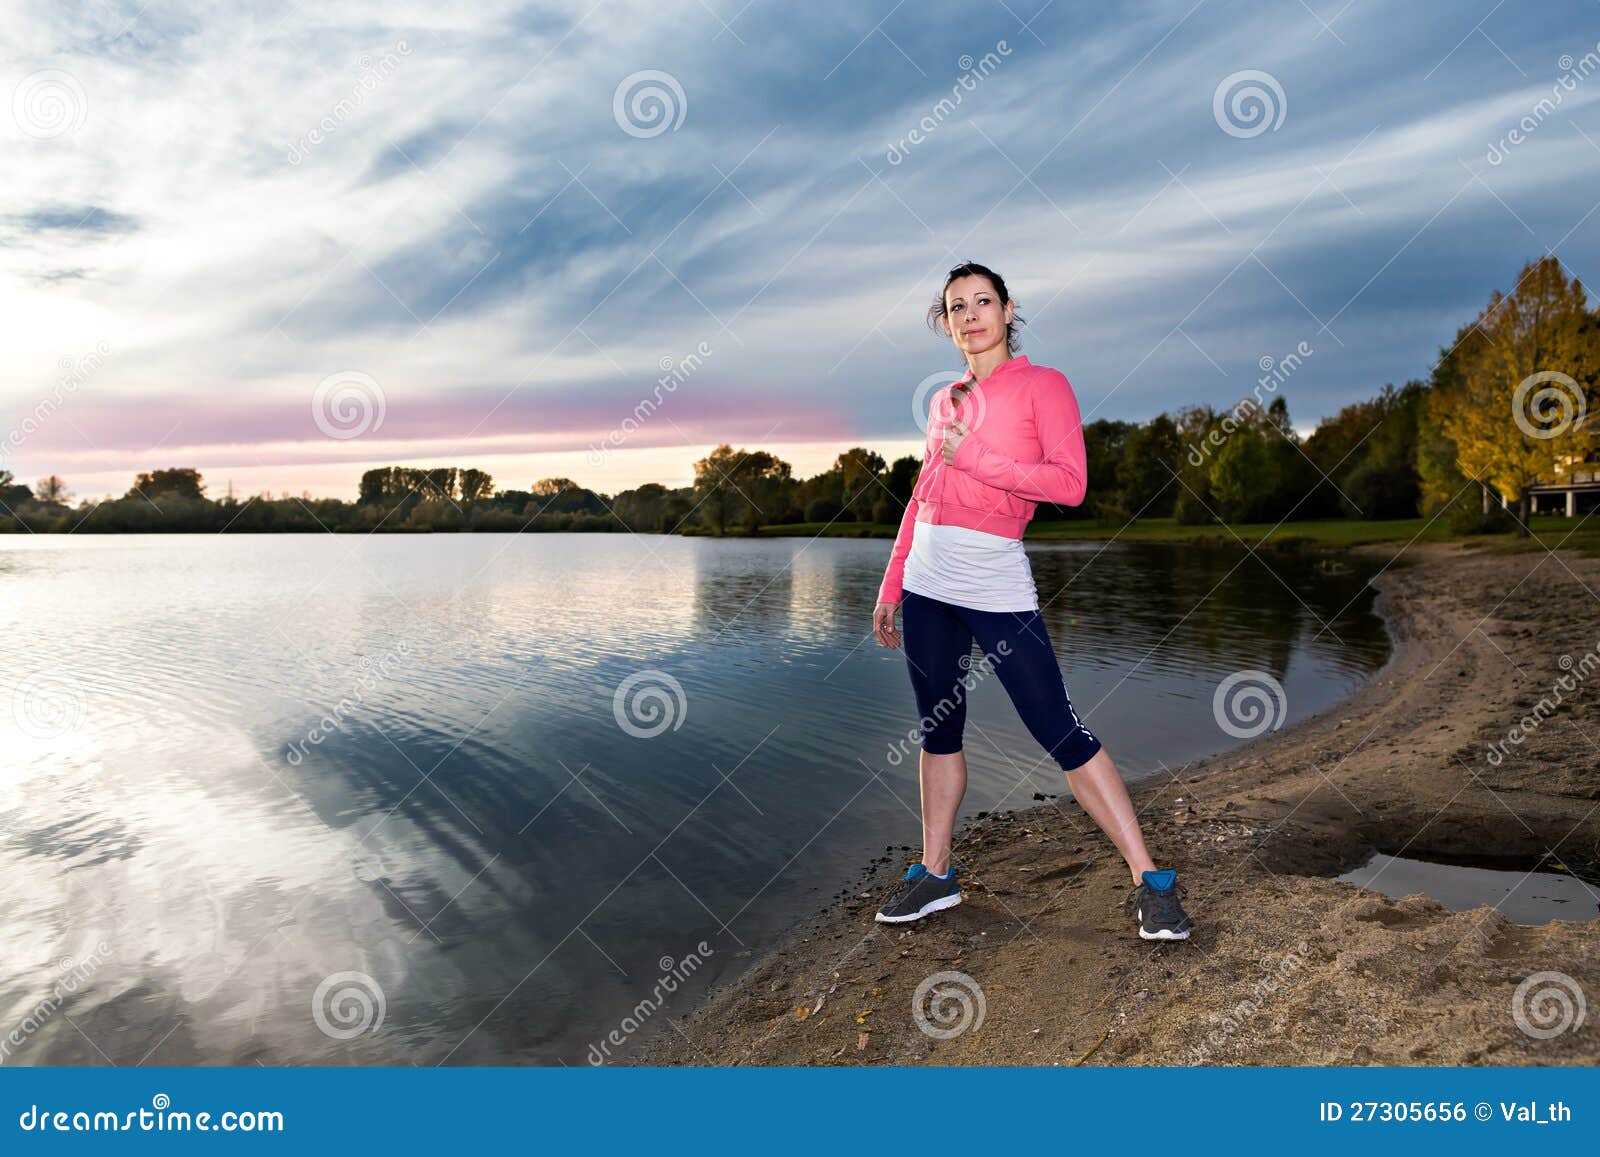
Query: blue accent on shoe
[1161, 880]
[916, 871]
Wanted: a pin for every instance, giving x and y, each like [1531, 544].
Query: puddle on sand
[1523, 897]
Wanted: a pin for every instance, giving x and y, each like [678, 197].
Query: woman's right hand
[883, 624]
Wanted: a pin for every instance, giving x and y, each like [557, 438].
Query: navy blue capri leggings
[938, 638]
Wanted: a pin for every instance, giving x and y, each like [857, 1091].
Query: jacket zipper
[944, 469]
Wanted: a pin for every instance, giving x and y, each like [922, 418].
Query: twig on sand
[1096, 1045]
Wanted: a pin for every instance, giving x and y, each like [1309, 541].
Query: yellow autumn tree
[1517, 404]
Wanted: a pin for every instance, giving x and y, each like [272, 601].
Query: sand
[1287, 966]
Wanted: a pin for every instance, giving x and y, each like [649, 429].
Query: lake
[504, 799]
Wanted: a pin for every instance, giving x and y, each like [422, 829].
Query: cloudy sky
[284, 244]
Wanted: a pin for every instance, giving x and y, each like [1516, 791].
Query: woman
[1004, 438]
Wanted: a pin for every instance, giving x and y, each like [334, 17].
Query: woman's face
[976, 319]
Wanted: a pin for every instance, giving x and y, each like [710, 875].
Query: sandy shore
[1287, 966]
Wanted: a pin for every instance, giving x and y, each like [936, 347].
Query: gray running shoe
[1155, 905]
[919, 893]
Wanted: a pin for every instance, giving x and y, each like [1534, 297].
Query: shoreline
[1287, 966]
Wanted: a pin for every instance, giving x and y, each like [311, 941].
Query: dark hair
[937, 316]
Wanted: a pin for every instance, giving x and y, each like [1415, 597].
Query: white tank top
[970, 568]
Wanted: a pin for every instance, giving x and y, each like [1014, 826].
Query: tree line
[1502, 408]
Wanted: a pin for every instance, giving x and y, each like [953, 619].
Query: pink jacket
[1025, 447]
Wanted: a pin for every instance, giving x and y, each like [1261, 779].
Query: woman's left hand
[954, 433]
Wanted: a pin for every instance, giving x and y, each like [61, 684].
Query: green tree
[1199, 434]
[903, 473]
[12, 494]
[1103, 444]
[1151, 455]
[180, 482]
[475, 485]
[375, 484]
[550, 487]
[859, 470]
[1377, 440]
[733, 487]
[1246, 476]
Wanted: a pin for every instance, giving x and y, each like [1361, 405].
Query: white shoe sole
[930, 906]
[1163, 934]
[1159, 934]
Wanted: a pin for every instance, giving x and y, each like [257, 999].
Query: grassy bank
[1549, 531]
